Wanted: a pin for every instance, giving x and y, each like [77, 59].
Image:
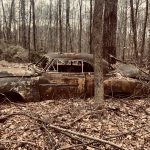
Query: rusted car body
[54, 76]
[57, 76]
[68, 75]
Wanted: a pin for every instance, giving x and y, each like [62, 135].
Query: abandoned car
[57, 76]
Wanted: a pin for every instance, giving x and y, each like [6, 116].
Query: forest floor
[48, 125]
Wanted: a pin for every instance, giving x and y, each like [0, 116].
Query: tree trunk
[60, 27]
[80, 26]
[144, 31]
[50, 41]
[24, 39]
[5, 29]
[1, 35]
[56, 28]
[109, 30]
[68, 31]
[91, 18]
[67, 21]
[125, 30]
[29, 31]
[19, 24]
[15, 28]
[34, 25]
[134, 28]
[97, 47]
[149, 52]
[10, 20]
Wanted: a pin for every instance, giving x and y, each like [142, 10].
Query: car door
[62, 79]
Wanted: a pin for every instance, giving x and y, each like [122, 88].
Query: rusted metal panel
[27, 87]
[61, 85]
[126, 86]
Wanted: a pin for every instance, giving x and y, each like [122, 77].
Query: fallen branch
[62, 130]
[75, 146]
[81, 140]
[50, 141]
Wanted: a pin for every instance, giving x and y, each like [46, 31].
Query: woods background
[66, 26]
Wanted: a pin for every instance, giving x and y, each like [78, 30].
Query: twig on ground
[51, 142]
[57, 144]
[76, 138]
[75, 146]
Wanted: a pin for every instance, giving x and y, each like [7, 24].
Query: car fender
[26, 87]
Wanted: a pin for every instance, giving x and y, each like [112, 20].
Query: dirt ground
[125, 123]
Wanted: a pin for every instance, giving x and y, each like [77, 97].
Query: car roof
[74, 56]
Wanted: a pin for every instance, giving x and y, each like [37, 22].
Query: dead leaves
[125, 123]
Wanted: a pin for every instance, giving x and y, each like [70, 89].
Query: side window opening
[70, 66]
[59, 65]
[87, 67]
[76, 66]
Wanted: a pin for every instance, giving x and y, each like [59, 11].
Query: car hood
[10, 72]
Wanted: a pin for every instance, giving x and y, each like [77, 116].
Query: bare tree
[1, 32]
[98, 52]
[5, 28]
[91, 18]
[34, 25]
[125, 29]
[109, 30]
[29, 32]
[149, 52]
[68, 29]
[60, 27]
[67, 22]
[56, 22]
[10, 20]
[23, 18]
[144, 31]
[50, 26]
[134, 27]
[80, 28]
[42, 28]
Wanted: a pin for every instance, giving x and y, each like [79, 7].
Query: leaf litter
[123, 122]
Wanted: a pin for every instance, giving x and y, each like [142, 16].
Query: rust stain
[126, 86]
[57, 85]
